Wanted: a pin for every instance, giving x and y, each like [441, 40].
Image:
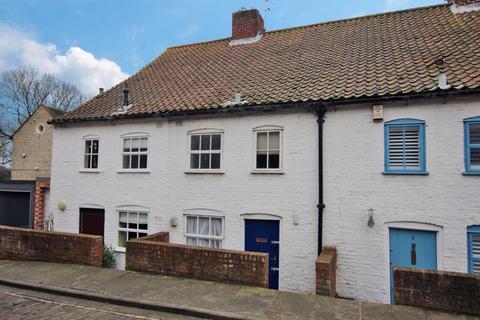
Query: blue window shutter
[405, 147]
[473, 234]
[472, 145]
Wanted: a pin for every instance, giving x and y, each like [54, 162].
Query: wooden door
[92, 221]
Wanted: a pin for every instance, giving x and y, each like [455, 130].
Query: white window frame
[139, 153]
[91, 153]
[199, 236]
[200, 132]
[127, 229]
[268, 129]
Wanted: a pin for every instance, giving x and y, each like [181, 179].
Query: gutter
[321, 205]
[254, 108]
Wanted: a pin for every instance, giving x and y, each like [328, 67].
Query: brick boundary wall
[240, 267]
[41, 186]
[326, 272]
[27, 244]
[440, 290]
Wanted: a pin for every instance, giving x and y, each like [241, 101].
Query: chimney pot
[247, 24]
[100, 90]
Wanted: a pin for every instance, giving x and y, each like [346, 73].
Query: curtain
[191, 225]
[216, 227]
[203, 226]
[123, 220]
[261, 141]
[143, 221]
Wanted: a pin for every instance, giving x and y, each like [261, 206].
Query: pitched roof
[374, 56]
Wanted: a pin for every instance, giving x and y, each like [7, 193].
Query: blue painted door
[263, 236]
[412, 249]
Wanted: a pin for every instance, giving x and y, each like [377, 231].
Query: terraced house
[362, 134]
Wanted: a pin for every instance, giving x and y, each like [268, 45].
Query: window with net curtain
[268, 150]
[204, 231]
[131, 225]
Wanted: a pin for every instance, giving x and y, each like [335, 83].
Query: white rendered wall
[167, 191]
[445, 200]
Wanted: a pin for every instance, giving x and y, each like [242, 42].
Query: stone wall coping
[42, 232]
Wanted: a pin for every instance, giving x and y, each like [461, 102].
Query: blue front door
[412, 249]
[263, 236]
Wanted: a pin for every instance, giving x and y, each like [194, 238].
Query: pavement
[193, 298]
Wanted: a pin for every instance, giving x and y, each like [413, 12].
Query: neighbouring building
[361, 134]
[32, 145]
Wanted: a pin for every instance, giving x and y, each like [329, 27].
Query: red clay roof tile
[380, 55]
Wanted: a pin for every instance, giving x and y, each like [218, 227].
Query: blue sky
[97, 43]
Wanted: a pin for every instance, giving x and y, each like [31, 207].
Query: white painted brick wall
[354, 161]
[167, 190]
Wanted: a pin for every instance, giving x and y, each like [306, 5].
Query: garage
[17, 203]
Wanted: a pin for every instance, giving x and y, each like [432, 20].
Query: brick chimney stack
[247, 24]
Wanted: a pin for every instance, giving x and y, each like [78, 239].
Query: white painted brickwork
[445, 199]
[167, 191]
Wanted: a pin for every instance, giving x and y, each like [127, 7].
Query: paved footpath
[194, 298]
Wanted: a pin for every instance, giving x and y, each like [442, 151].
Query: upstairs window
[90, 158]
[405, 146]
[205, 151]
[204, 231]
[472, 145]
[135, 153]
[268, 149]
[473, 234]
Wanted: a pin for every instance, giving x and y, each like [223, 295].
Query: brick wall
[25, 244]
[41, 186]
[247, 268]
[442, 290]
[325, 270]
[157, 237]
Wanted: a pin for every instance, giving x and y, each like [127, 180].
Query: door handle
[275, 242]
[274, 269]
[413, 254]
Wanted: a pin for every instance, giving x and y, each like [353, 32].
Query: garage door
[15, 209]
[16, 203]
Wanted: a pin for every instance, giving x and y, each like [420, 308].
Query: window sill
[412, 173]
[260, 171]
[205, 171]
[120, 250]
[471, 173]
[133, 171]
[90, 170]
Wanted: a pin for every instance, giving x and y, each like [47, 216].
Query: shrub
[108, 257]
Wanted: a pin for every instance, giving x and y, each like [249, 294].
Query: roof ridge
[315, 24]
[359, 17]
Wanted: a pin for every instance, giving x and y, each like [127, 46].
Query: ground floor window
[131, 225]
[474, 249]
[204, 231]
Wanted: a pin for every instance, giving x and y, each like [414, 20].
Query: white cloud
[76, 65]
[392, 5]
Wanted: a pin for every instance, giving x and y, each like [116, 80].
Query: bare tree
[21, 92]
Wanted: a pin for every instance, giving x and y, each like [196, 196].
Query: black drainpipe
[320, 119]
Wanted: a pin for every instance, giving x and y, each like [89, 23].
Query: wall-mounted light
[61, 206]
[173, 222]
[370, 222]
